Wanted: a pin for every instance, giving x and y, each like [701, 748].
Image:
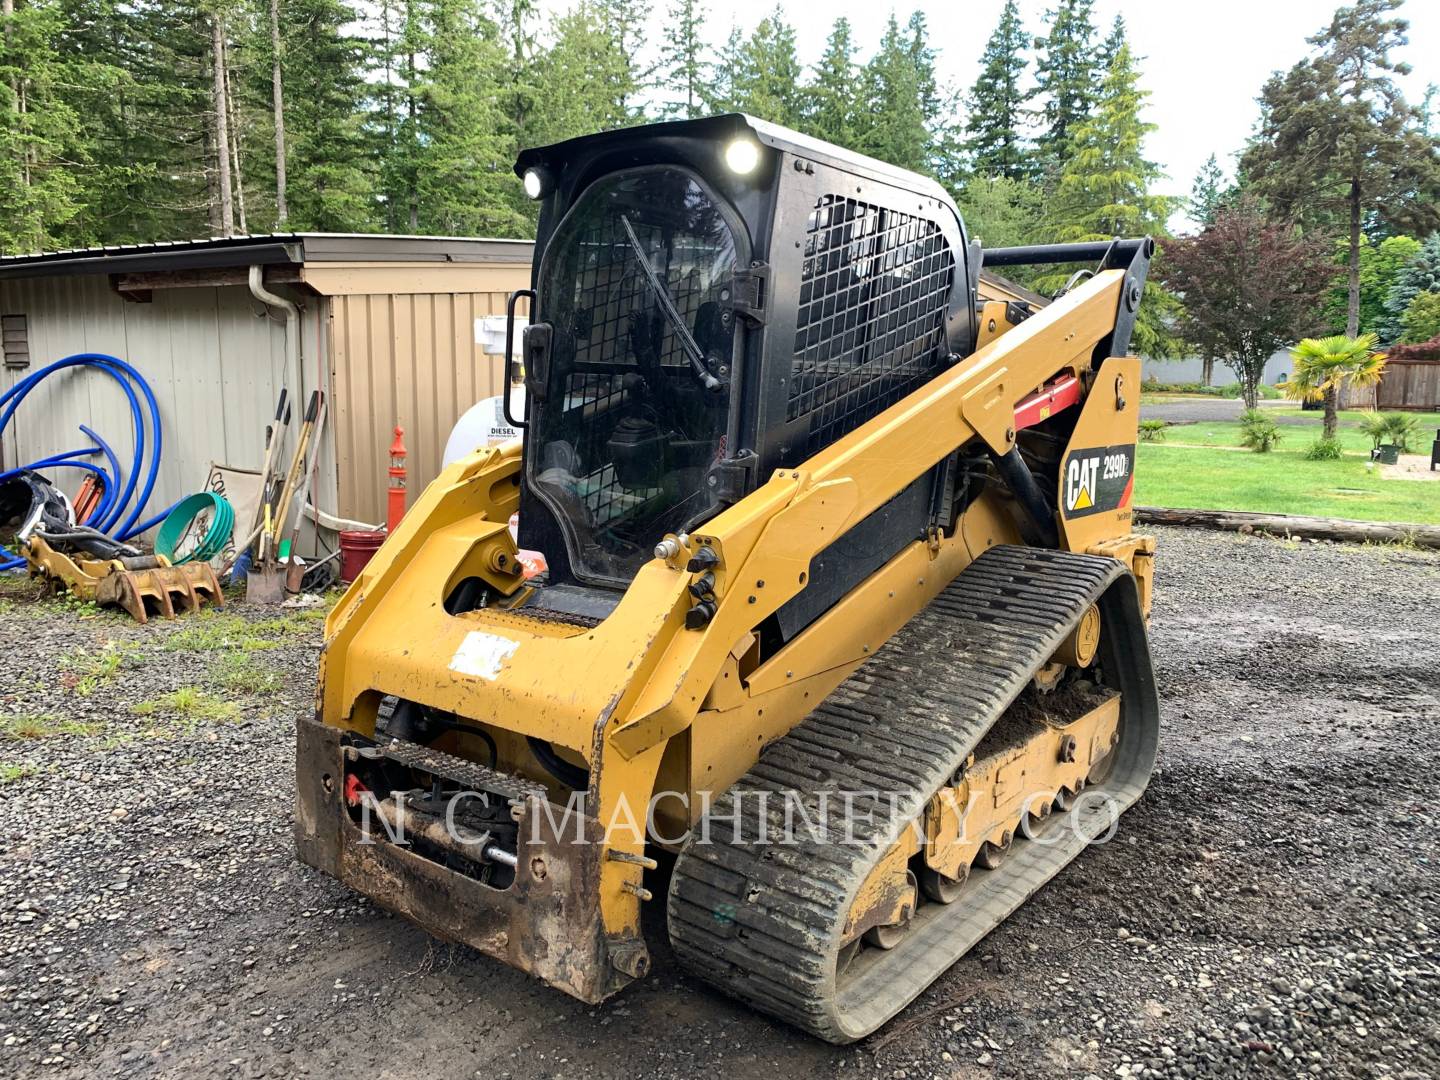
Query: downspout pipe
[294, 343]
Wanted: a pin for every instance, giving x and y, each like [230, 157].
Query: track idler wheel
[940, 888]
[887, 937]
[992, 856]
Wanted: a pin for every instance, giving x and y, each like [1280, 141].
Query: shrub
[1153, 430]
[1400, 429]
[1258, 431]
[1152, 386]
[1324, 450]
[1374, 426]
[1264, 391]
[1395, 428]
[1421, 320]
[1425, 350]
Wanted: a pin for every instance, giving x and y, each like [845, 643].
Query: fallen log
[1318, 528]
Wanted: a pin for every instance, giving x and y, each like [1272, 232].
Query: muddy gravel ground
[1271, 907]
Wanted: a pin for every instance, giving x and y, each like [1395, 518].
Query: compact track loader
[844, 613]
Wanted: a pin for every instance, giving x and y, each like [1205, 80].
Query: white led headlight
[742, 156]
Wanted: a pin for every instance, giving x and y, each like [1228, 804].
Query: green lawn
[1292, 436]
[1429, 421]
[1281, 482]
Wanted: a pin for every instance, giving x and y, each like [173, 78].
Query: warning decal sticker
[1096, 479]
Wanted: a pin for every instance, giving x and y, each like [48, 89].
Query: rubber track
[763, 921]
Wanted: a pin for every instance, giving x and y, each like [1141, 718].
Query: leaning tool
[295, 569]
[297, 465]
[274, 437]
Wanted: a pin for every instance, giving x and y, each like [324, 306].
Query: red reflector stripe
[1043, 404]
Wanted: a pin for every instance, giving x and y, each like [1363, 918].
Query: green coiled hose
[179, 521]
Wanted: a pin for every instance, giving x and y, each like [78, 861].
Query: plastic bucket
[356, 550]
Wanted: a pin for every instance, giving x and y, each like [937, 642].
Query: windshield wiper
[672, 314]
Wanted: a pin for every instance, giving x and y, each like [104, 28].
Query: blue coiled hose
[114, 502]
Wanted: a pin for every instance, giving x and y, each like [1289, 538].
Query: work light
[742, 156]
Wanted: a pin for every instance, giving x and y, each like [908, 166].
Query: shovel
[265, 583]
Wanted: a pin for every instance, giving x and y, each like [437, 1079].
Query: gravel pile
[1270, 908]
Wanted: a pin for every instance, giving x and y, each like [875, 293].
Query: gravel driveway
[1271, 907]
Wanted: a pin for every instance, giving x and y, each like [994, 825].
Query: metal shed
[391, 328]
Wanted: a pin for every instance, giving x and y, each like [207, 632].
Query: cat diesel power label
[1096, 479]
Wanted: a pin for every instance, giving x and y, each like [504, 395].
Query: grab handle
[510, 352]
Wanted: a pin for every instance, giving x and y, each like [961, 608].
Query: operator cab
[664, 380]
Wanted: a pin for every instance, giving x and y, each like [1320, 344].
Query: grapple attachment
[142, 585]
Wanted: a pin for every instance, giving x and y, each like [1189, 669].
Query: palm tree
[1324, 365]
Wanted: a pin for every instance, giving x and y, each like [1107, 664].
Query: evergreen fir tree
[898, 86]
[515, 20]
[1110, 47]
[403, 60]
[1104, 187]
[331, 175]
[624, 23]
[39, 195]
[1067, 77]
[682, 61]
[1339, 147]
[721, 90]
[996, 102]
[584, 81]
[144, 118]
[1208, 194]
[767, 80]
[922, 56]
[464, 164]
[1103, 190]
[832, 97]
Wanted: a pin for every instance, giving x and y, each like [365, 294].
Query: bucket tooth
[118, 588]
[176, 584]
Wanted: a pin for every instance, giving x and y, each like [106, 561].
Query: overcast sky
[1203, 62]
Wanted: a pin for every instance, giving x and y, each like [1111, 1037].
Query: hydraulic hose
[118, 370]
[152, 522]
[56, 463]
[12, 398]
[112, 488]
[114, 501]
[45, 463]
[572, 776]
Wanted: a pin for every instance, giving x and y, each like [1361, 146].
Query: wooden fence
[1410, 384]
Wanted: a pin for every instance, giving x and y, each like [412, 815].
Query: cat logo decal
[1096, 479]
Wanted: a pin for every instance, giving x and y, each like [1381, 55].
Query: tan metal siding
[409, 359]
[213, 358]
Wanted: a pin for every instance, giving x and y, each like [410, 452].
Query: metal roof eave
[200, 258]
[292, 249]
